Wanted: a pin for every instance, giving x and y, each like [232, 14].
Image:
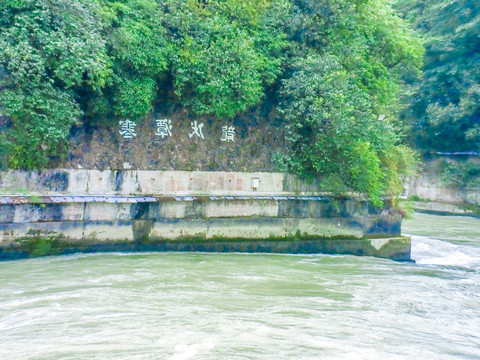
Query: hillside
[259, 136]
[311, 87]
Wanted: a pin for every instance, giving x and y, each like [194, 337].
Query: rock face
[255, 136]
[81, 210]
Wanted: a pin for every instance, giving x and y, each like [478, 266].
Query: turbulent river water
[247, 306]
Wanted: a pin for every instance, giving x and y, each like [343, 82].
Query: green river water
[248, 306]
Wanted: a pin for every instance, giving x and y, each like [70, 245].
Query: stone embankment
[431, 195]
[65, 211]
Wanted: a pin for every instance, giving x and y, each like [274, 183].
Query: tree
[445, 111]
[140, 53]
[335, 66]
[226, 53]
[48, 50]
[341, 94]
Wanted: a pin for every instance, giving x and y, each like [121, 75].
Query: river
[248, 306]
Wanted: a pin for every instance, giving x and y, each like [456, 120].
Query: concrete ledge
[397, 248]
[440, 208]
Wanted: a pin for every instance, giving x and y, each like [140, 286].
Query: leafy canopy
[445, 110]
[341, 95]
[48, 51]
[335, 67]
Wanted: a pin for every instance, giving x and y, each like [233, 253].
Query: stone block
[107, 231]
[78, 182]
[101, 182]
[151, 182]
[129, 184]
[241, 208]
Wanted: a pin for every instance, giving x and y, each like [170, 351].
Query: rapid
[250, 306]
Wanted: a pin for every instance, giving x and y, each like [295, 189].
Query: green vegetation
[36, 245]
[415, 198]
[337, 70]
[340, 94]
[460, 175]
[226, 53]
[445, 108]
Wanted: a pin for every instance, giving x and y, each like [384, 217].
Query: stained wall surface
[85, 208]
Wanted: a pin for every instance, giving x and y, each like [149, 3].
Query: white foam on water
[188, 345]
[428, 251]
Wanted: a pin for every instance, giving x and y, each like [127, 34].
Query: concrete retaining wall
[430, 187]
[428, 184]
[259, 209]
[430, 194]
[140, 182]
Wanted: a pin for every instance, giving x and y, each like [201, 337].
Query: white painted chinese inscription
[197, 130]
[164, 128]
[228, 133]
[127, 129]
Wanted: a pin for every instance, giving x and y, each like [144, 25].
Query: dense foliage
[46, 58]
[460, 175]
[335, 66]
[445, 110]
[341, 95]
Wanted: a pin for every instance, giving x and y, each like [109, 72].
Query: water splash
[428, 251]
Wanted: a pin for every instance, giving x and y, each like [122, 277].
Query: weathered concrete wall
[397, 248]
[429, 187]
[86, 209]
[189, 219]
[428, 184]
[431, 195]
[139, 182]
